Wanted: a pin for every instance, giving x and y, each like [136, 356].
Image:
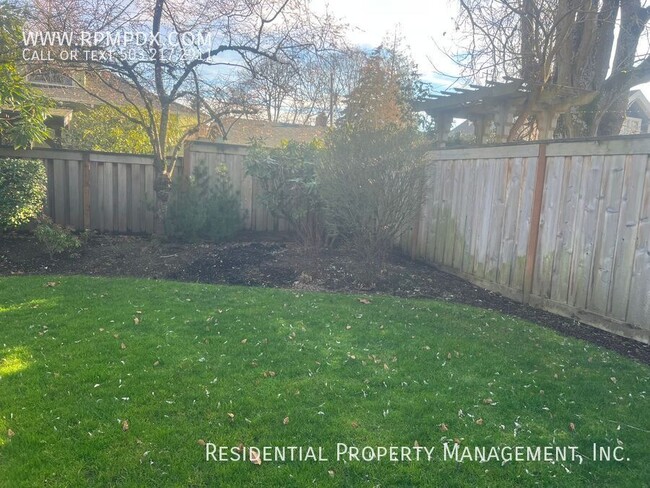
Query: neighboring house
[244, 131]
[71, 92]
[637, 117]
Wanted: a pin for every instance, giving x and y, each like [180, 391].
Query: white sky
[421, 23]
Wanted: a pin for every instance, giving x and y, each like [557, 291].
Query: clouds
[419, 22]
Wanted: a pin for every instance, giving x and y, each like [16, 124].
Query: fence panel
[561, 225]
[589, 254]
[101, 191]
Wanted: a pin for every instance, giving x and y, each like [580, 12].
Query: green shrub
[23, 187]
[287, 175]
[55, 238]
[372, 183]
[204, 206]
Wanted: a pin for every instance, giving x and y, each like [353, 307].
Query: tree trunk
[162, 189]
[612, 120]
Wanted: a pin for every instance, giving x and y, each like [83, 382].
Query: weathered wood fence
[115, 192]
[564, 226]
[213, 155]
[92, 190]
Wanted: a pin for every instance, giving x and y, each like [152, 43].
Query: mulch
[275, 261]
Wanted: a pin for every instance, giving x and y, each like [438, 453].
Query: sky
[421, 23]
[426, 25]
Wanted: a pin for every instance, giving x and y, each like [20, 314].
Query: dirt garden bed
[263, 260]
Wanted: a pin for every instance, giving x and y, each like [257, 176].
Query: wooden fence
[564, 226]
[213, 155]
[92, 190]
[115, 192]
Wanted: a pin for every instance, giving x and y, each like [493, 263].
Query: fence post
[187, 159]
[85, 169]
[533, 237]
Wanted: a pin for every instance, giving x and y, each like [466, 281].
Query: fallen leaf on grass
[157, 363]
[331, 473]
[365, 301]
[52, 283]
[449, 355]
[254, 457]
[572, 427]
[10, 433]
[355, 425]
[416, 444]
[125, 425]
[201, 442]
[122, 346]
[269, 374]
[116, 336]
[443, 427]
[244, 341]
[136, 320]
[231, 416]
[479, 421]
[286, 421]
[487, 401]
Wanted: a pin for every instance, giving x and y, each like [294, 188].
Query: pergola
[499, 102]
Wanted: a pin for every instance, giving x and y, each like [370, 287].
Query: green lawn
[221, 366]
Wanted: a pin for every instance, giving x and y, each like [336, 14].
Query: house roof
[244, 131]
[98, 87]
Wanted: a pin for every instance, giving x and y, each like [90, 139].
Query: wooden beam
[459, 100]
[85, 169]
[533, 236]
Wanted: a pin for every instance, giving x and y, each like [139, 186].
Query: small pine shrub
[204, 206]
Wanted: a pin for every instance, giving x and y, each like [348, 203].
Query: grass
[228, 365]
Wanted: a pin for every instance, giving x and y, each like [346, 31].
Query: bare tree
[183, 45]
[564, 42]
[313, 84]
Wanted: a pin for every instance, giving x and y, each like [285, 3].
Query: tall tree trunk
[529, 60]
[611, 104]
[162, 190]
